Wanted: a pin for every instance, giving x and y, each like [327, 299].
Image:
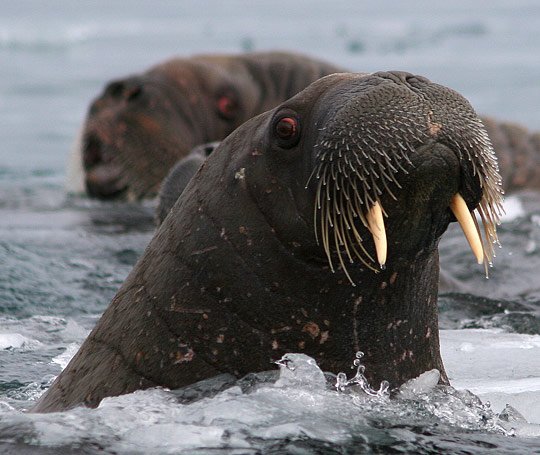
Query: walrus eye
[287, 131]
[227, 107]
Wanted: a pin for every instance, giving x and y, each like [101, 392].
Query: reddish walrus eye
[287, 131]
[227, 107]
[286, 127]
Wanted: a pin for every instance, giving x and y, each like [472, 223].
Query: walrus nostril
[402, 77]
[411, 79]
[115, 89]
[128, 90]
[398, 77]
[92, 151]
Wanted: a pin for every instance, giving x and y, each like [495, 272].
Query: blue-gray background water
[62, 258]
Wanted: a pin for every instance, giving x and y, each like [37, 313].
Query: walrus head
[140, 126]
[376, 156]
[383, 162]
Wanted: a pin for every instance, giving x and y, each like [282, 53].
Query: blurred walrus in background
[359, 175]
[518, 152]
[140, 126]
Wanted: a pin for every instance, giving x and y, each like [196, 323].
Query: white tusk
[376, 226]
[463, 215]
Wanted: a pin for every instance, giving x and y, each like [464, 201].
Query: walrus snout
[367, 163]
[102, 142]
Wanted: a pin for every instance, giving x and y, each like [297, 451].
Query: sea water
[62, 258]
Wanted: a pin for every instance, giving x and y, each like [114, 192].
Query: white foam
[17, 341]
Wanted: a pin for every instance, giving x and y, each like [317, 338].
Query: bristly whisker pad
[359, 162]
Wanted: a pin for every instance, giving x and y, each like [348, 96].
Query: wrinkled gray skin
[234, 278]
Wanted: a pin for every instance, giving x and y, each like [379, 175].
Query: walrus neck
[299, 305]
[395, 324]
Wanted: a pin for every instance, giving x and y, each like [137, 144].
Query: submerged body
[235, 278]
[518, 152]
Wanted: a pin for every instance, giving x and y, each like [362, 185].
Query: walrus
[141, 125]
[313, 228]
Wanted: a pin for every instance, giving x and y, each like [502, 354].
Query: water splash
[424, 383]
[342, 383]
[17, 341]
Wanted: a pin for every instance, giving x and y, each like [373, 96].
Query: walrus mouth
[375, 223]
[103, 176]
[360, 155]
